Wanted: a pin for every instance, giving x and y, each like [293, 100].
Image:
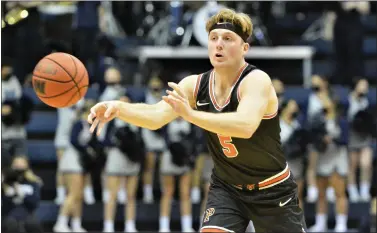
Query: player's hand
[178, 100]
[101, 113]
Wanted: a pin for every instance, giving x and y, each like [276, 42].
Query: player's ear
[246, 47]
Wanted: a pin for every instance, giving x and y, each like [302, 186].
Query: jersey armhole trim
[197, 86]
[216, 227]
[265, 116]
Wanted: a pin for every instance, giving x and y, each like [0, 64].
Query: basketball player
[237, 106]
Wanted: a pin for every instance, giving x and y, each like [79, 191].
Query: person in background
[348, 39]
[76, 162]
[201, 152]
[320, 91]
[154, 141]
[113, 91]
[20, 196]
[359, 142]
[16, 111]
[175, 161]
[86, 27]
[332, 165]
[294, 140]
[125, 150]
[66, 119]
[279, 88]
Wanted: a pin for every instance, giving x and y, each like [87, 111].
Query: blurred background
[322, 57]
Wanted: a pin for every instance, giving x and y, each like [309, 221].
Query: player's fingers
[175, 95]
[109, 111]
[91, 116]
[177, 89]
[100, 127]
[93, 113]
[94, 125]
[169, 101]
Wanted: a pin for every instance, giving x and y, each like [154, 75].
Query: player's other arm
[150, 116]
[255, 91]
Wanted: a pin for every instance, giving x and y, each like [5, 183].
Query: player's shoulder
[257, 77]
[189, 81]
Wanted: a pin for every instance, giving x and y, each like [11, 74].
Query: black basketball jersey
[238, 160]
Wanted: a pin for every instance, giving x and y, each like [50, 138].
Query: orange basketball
[60, 80]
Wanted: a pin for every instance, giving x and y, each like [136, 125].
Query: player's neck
[225, 77]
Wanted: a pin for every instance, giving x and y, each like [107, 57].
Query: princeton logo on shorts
[250, 187]
[209, 213]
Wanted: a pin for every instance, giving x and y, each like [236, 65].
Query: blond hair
[230, 16]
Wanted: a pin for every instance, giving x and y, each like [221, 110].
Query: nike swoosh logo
[201, 104]
[284, 203]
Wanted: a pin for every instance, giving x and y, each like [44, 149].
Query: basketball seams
[73, 79]
[66, 91]
[52, 80]
[72, 97]
[74, 63]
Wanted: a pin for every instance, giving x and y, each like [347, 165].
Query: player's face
[225, 48]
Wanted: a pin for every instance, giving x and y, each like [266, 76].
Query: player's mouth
[218, 55]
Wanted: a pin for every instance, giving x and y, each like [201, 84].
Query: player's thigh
[276, 209]
[223, 212]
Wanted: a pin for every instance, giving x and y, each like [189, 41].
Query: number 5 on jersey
[229, 149]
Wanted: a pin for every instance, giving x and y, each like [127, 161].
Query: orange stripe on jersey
[270, 116]
[275, 180]
[212, 88]
[197, 85]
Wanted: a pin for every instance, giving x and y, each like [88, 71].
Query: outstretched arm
[255, 91]
[143, 115]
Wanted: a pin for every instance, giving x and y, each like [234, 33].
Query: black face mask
[316, 88]
[361, 95]
[111, 84]
[15, 175]
[7, 77]
[294, 115]
[156, 89]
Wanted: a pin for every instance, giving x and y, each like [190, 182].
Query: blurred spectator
[279, 89]
[125, 151]
[57, 22]
[175, 161]
[78, 160]
[154, 141]
[86, 30]
[295, 141]
[320, 90]
[15, 113]
[26, 41]
[348, 40]
[66, 119]
[203, 169]
[331, 165]
[361, 121]
[114, 89]
[20, 196]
